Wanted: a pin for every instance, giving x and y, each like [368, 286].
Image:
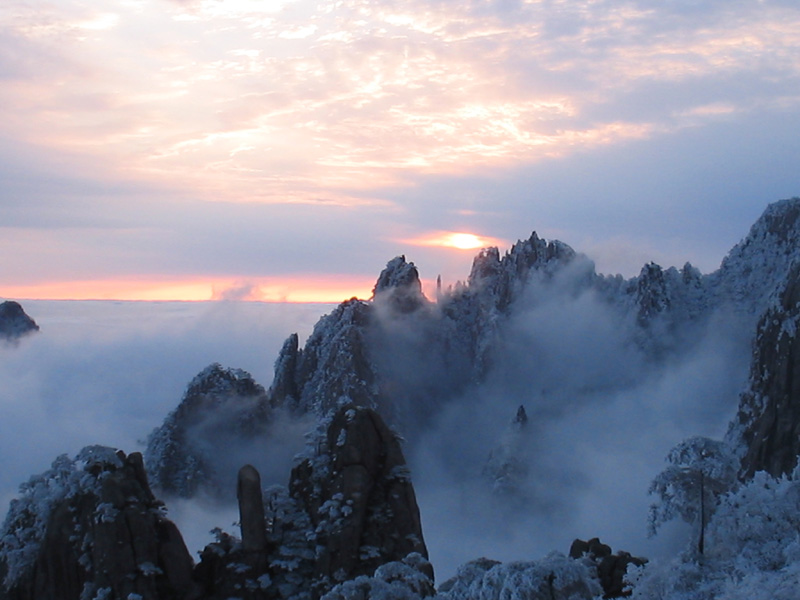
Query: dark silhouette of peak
[14, 322]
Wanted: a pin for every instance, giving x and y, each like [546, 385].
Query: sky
[286, 150]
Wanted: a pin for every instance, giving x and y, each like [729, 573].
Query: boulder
[611, 568]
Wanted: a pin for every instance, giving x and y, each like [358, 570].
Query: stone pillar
[251, 512]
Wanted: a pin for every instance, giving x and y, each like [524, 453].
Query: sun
[463, 241]
[458, 240]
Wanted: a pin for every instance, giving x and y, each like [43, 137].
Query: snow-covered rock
[220, 405]
[91, 524]
[768, 423]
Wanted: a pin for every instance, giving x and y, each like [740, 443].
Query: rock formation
[220, 407]
[358, 494]
[769, 412]
[611, 568]
[14, 323]
[91, 528]
[506, 468]
[333, 368]
[399, 286]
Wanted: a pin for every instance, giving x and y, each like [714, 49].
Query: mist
[109, 372]
[603, 406]
[602, 411]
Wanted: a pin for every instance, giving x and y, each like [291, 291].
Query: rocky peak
[652, 295]
[506, 469]
[220, 406]
[502, 277]
[399, 285]
[357, 491]
[14, 322]
[334, 367]
[91, 527]
[284, 389]
[215, 382]
[521, 418]
[756, 266]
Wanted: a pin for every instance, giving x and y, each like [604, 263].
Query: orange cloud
[273, 289]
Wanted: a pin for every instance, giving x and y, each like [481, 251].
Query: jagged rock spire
[399, 285]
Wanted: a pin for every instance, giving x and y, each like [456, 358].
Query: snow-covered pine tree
[700, 470]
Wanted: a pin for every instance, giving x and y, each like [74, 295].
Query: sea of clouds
[601, 417]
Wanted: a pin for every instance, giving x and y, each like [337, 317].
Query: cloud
[452, 88]
[108, 373]
[582, 120]
[602, 416]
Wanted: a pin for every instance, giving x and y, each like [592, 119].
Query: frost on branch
[700, 470]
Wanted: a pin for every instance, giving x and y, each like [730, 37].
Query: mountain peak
[399, 283]
[14, 322]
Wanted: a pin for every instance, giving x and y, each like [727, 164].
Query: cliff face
[357, 491]
[768, 422]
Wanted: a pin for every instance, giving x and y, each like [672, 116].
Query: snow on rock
[756, 267]
[219, 405]
[359, 497]
[555, 577]
[91, 526]
[334, 367]
[768, 423]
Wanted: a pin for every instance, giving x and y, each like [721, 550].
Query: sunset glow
[456, 240]
[281, 139]
[320, 288]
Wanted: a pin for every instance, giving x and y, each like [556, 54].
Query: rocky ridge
[220, 403]
[451, 345]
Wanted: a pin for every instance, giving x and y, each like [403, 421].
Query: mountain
[534, 326]
[220, 404]
[90, 527]
[14, 322]
[768, 421]
[408, 357]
